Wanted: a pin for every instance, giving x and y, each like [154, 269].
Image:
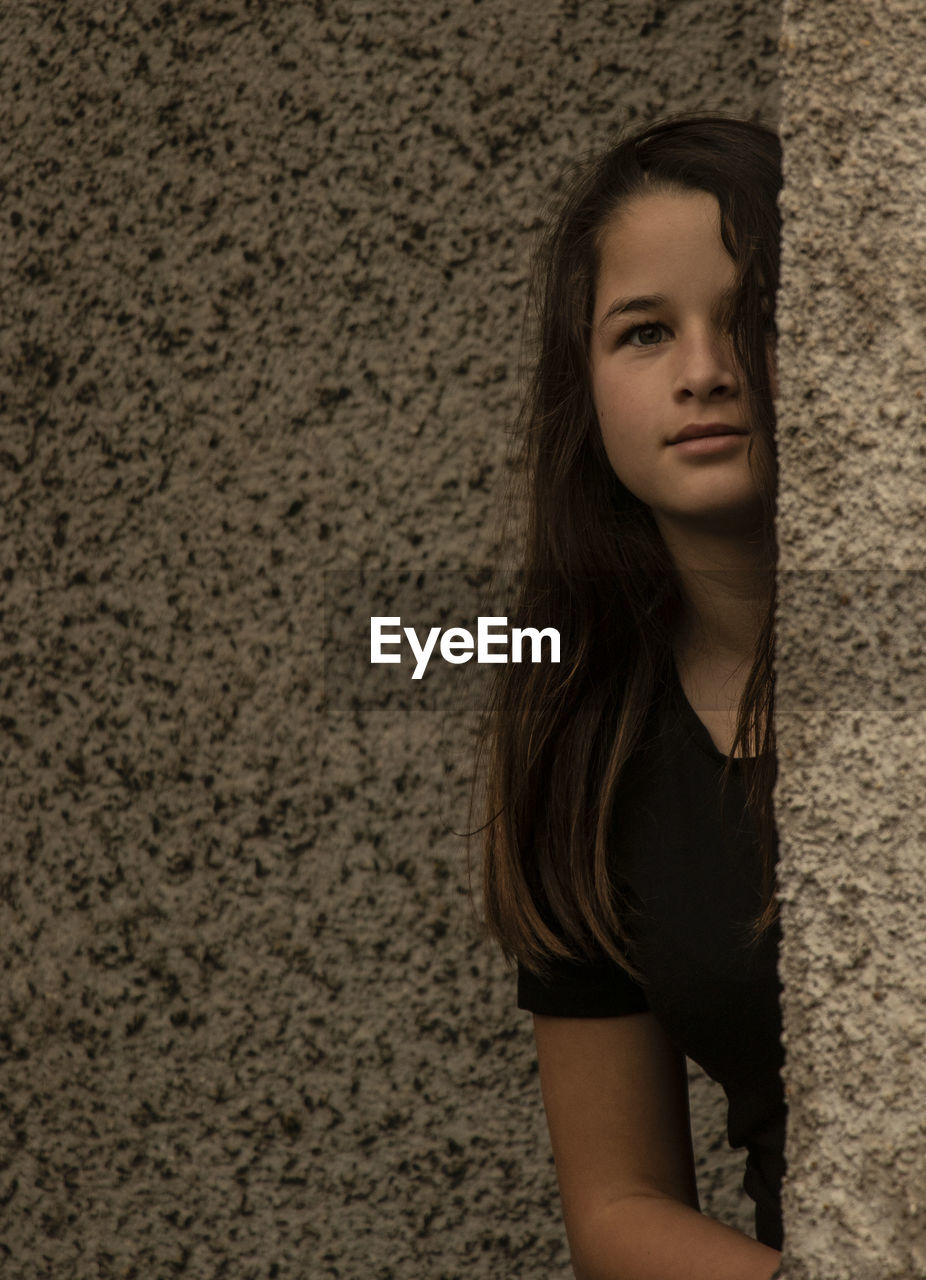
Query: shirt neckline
[696, 726]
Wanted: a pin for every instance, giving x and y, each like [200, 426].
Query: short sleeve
[581, 989]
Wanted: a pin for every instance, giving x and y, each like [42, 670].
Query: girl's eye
[644, 335]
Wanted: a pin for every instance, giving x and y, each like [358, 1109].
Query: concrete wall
[263, 280]
[851, 666]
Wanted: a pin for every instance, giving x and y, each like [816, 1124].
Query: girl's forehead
[663, 238]
[645, 216]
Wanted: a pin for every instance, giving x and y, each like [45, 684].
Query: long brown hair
[558, 738]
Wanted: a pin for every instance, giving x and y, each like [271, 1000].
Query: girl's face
[665, 384]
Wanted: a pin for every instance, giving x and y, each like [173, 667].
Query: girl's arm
[616, 1098]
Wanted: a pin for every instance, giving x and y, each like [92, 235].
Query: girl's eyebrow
[652, 301]
[622, 305]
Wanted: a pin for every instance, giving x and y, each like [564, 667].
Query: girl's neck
[726, 584]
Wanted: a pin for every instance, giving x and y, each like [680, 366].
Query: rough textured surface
[852, 719]
[264, 273]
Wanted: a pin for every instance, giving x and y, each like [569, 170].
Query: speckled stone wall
[264, 272]
[852, 697]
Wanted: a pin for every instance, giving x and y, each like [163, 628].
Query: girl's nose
[706, 369]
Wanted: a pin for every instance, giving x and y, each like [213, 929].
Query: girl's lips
[716, 442]
[694, 430]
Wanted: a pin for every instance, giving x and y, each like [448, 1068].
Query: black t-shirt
[688, 858]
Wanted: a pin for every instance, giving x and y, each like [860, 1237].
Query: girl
[629, 859]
